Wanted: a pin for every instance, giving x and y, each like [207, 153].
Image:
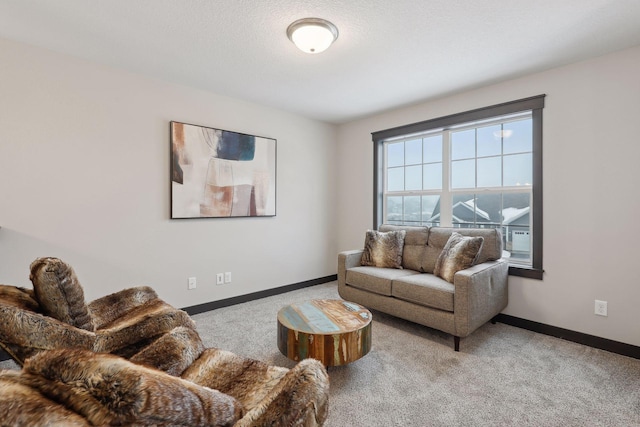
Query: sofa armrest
[347, 260]
[481, 292]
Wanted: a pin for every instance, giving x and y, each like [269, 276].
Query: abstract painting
[217, 173]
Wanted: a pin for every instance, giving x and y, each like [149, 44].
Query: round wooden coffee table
[335, 332]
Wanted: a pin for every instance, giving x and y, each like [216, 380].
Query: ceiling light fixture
[505, 133]
[312, 35]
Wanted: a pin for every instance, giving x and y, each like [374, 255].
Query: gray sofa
[414, 293]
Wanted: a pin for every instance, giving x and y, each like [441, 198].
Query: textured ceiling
[388, 54]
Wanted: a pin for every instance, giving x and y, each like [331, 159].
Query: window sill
[528, 272]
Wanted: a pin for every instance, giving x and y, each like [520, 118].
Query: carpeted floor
[502, 376]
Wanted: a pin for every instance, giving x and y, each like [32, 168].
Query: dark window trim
[535, 104]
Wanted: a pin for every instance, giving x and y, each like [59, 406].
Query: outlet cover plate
[219, 278]
[601, 308]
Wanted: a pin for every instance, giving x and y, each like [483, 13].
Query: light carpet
[502, 376]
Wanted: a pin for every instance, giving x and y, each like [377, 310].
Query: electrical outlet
[227, 277]
[219, 279]
[192, 282]
[601, 308]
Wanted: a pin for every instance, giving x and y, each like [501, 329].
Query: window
[481, 168]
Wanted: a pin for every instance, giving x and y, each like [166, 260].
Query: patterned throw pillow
[459, 253]
[59, 292]
[383, 249]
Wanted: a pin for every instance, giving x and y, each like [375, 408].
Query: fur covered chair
[49, 325]
[54, 315]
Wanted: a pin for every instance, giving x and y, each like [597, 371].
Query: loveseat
[130, 358]
[429, 275]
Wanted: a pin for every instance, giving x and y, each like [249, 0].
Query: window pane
[463, 210]
[516, 219]
[463, 174]
[413, 152]
[429, 204]
[517, 169]
[488, 208]
[432, 177]
[395, 179]
[413, 178]
[488, 143]
[490, 172]
[432, 149]
[395, 154]
[520, 138]
[463, 144]
[412, 209]
[394, 210]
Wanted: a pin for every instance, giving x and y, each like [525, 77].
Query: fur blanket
[271, 395]
[126, 322]
[72, 387]
[103, 389]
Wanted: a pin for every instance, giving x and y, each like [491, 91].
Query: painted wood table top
[335, 332]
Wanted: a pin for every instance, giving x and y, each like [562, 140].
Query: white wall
[84, 176]
[591, 160]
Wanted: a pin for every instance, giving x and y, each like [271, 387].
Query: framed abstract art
[219, 174]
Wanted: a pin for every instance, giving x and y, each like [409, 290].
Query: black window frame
[535, 104]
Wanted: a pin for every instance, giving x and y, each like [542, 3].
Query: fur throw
[22, 405]
[110, 308]
[71, 387]
[173, 352]
[24, 299]
[271, 395]
[108, 390]
[128, 322]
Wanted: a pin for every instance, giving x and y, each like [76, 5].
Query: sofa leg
[456, 343]
[494, 320]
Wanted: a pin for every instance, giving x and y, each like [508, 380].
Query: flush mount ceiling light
[505, 133]
[312, 35]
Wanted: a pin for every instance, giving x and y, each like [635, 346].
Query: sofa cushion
[383, 249]
[459, 253]
[374, 279]
[438, 237]
[59, 292]
[424, 289]
[415, 244]
[109, 390]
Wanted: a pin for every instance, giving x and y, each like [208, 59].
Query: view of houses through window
[476, 174]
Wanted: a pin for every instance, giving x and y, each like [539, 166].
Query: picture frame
[217, 173]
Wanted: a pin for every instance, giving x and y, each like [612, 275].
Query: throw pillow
[459, 253]
[59, 292]
[383, 249]
[110, 390]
